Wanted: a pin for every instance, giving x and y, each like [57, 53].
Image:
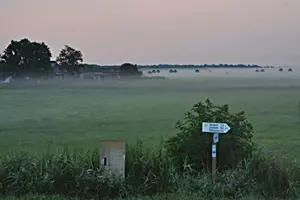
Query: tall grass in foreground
[171, 196]
[148, 173]
[34, 197]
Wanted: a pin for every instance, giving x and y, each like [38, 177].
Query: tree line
[30, 58]
[202, 66]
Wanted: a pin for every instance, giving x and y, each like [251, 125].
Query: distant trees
[128, 69]
[70, 59]
[200, 66]
[26, 57]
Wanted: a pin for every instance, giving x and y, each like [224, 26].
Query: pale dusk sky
[160, 31]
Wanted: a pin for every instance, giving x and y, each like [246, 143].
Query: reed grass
[76, 174]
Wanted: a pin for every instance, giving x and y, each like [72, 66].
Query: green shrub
[192, 146]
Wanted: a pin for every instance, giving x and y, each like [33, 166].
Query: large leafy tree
[70, 59]
[24, 57]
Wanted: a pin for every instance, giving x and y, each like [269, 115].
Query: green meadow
[77, 113]
[46, 116]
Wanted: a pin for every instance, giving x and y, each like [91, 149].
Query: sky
[160, 31]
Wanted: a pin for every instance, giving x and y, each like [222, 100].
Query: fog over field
[77, 112]
[227, 72]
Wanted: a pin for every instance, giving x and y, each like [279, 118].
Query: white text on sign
[209, 127]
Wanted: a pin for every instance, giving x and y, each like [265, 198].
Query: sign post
[216, 129]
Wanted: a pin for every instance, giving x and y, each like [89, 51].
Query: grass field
[51, 115]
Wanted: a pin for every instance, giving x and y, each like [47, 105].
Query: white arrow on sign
[210, 127]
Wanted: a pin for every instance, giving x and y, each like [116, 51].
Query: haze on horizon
[160, 31]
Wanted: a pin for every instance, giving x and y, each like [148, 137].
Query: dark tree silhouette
[70, 59]
[26, 57]
[128, 69]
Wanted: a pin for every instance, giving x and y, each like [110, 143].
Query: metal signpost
[216, 129]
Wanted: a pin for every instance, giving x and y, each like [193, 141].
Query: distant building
[57, 69]
[100, 73]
